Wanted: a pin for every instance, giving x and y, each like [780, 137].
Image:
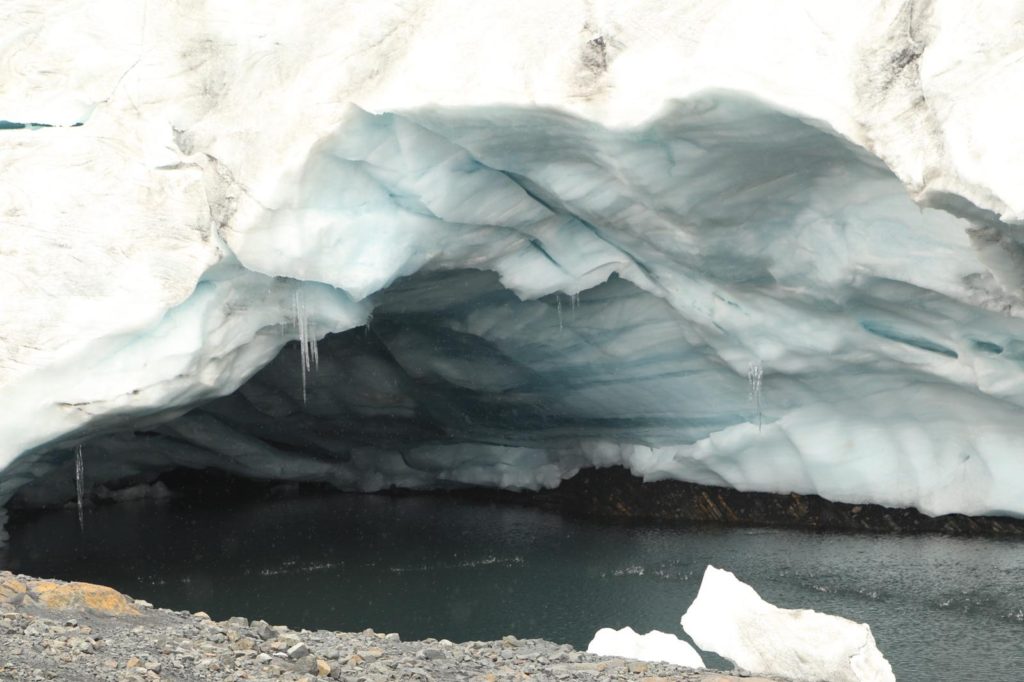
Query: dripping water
[754, 376]
[574, 301]
[309, 353]
[80, 485]
[558, 304]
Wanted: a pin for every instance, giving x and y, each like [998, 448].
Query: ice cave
[502, 296]
[766, 247]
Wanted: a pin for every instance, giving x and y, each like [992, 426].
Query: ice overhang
[728, 294]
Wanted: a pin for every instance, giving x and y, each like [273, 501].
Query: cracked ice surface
[718, 196]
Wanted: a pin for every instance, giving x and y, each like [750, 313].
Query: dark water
[941, 608]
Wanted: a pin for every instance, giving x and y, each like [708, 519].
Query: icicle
[309, 352]
[314, 350]
[574, 301]
[558, 304]
[80, 485]
[754, 375]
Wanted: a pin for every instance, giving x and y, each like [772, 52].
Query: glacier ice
[836, 203]
[654, 646]
[729, 618]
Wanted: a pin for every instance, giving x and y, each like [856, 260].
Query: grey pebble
[263, 630]
[298, 651]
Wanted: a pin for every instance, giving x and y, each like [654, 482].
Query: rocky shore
[54, 630]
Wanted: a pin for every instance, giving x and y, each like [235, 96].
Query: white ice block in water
[655, 646]
[729, 618]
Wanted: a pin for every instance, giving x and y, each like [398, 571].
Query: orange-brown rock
[10, 587]
[82, 596]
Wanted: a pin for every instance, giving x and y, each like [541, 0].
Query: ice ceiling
[725, 288]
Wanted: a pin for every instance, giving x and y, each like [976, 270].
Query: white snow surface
[729, 618]
[654, 646]
[830, 192]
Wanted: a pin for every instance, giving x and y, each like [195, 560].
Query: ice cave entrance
[454, 381]
[718, 296]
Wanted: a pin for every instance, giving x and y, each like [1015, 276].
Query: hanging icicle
[754, 376]
[80, 485]
[309, 352]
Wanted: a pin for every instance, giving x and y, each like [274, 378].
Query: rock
[238, 622]
[430, 654]
[323, 668]
[244, 644]
[298, 651]
[306, 664]
[82, 596]
[263, 630]
[372, 654]
[263, 658]
[84, 646]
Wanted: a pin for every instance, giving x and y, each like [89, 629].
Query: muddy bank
[614, 493]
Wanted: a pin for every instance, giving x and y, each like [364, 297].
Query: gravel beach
[54, 630]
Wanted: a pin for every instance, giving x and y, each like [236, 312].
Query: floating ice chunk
[655, 646]
[729, 618]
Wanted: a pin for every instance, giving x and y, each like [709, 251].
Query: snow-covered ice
[729, 618]
[653, 646]
[830, 193]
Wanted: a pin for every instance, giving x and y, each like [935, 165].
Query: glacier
[774, 247]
